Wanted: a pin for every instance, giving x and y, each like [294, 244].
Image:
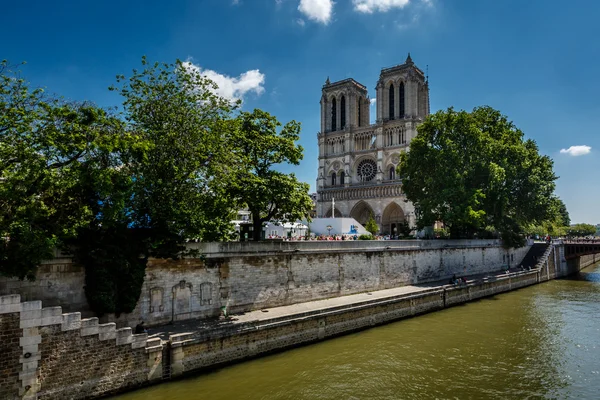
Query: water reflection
[535, 343]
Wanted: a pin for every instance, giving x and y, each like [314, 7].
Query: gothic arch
[334, 115]
[391, 97]
[361, 212]
[392, 216]
[401, 100]
[343, 113]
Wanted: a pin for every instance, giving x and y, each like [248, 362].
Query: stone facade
[357, 160]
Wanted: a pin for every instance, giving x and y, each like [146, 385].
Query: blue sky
[535, 60]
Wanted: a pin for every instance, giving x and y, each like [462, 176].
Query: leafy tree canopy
[258, 146]
[581, 230]
[474, 171]
[48, 147]
[371, 225]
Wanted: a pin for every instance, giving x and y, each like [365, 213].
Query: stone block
[30, 341]
[10, 299]
[107, 331]
[89, 326]
[71, 321]
[31, 332]
[32, 305]
[124, 336]
[139, 341]
[10, 308]
[32, 349]
[30, 366]
[30, 323]
[32, 314]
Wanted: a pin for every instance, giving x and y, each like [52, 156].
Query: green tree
[475, 170]
[371, 226]
[581, 230]
[258, 146]
[47, 147]
[179, 178]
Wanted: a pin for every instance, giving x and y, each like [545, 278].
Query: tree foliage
[371, 226]
[475, 170]
[48, 147]
[581, 230]
[258, 146]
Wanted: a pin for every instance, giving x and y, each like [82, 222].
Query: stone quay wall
[50, 355]
[241, 277]
[192, 352]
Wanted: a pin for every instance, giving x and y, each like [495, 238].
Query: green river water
[540, 342]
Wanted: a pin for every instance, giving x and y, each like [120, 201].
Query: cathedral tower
[358, 160]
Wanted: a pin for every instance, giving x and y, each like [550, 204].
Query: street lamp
[329, 228]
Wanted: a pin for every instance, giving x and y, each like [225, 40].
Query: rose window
[366, 170]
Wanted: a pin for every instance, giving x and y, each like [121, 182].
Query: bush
[365, 237]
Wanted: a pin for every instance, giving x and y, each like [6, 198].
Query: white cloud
[576, 150]
[235, 2]
[371, 6]
[300, 22]
[373, 101]
[233, 88]
[317, 10]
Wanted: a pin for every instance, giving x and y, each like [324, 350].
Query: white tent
[337, 226]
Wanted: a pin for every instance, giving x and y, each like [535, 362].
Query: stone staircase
[536, 254]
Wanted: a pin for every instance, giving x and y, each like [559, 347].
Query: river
[540, 342]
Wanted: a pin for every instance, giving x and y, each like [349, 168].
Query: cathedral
[357, 159]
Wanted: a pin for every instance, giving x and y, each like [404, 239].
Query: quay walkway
[299, 310]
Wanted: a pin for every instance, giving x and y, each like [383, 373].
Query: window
[401, 100]
[391, 101]
[343, 113]
[333, 115]
[392, 173]
[359, 107]
[333, 179]
[342, 177]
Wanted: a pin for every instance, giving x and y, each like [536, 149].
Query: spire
[408, 60]
[327, 82]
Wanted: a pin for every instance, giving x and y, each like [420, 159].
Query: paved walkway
[266, 314]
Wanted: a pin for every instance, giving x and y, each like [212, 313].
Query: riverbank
[261, 332]
[53, 355]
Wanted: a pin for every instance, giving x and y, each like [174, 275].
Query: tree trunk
[256, 227]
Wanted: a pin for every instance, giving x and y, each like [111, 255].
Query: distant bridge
[579, 247]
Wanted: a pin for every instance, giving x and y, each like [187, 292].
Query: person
[140, 328]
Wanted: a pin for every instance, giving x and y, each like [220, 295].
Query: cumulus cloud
[231, 87]
[300, 22]
[576, 150]
[371, 6]
[373, 101]
[317, 10]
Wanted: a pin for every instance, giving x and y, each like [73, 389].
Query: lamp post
[329, 228]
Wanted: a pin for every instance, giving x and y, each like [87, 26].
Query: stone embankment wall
[248, 276]
[50, 355]
[243, 277]
[198, 351]
[59, 282]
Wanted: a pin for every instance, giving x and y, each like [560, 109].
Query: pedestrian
[140, 328]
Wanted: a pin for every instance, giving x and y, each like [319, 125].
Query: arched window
[391, 101]
[401, 100]
[392, 173]
[342, 177]
[333, 179]
[343, 113]
[359, 110]
[333, 114]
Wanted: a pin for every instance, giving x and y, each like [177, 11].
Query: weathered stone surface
[10, 334]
